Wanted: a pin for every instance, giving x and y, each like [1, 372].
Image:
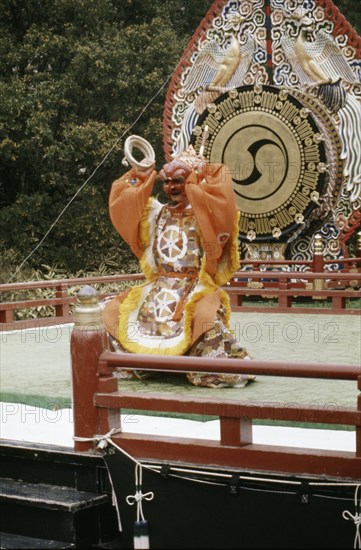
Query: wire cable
[94, 172]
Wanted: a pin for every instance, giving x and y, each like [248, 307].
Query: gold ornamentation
[267, 142]
[190, 157]
[197, 131]
[304, 112]
[88, 313]
[321, 167]
[318, 245]
[254, 284]
[251, 235]
[317, 138]
[276, 232]
[265, 251]
[315, 197]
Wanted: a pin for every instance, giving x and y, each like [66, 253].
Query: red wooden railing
[325, 284]
[98, 402]
[285, 287]
[63, 301]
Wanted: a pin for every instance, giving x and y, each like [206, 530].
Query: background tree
[74, 76]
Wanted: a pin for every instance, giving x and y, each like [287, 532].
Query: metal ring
[144, 147]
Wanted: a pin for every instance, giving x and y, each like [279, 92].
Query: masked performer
[187, 250]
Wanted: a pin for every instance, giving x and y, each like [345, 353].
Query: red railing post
[358, 250]
[236, 431]
[62, 310]
[87, 343]
[6, 315]
[284, 300]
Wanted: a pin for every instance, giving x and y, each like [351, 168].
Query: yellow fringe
[204, 277]
[125, 309]
[145, 239]
[131, 302]
[226, 302]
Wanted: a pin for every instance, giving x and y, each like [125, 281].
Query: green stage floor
[36, 366]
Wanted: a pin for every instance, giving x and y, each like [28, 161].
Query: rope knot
[101, 440]
[356, 518]
[138, 497]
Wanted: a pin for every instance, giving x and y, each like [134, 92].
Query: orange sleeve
[214, 203]
[127, 202]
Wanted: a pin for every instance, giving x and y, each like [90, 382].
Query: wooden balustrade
[98, 402]
[288, 287]
[63, 300]
[235, 447]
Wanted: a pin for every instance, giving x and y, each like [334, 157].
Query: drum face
[272, 145]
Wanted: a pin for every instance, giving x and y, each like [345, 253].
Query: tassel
[140, 532]
[141, 535]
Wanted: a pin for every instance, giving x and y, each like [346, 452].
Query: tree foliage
[74, 77]
[77, 77]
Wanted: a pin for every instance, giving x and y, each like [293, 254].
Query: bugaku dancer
[187, 250]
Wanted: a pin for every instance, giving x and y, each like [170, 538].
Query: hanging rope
[102, 442]
[139, 496]
[141, 532]
[141, 537]
[356, 518]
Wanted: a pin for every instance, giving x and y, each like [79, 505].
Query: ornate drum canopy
[277, 84]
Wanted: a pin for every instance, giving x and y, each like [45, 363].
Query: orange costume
[186, 253]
